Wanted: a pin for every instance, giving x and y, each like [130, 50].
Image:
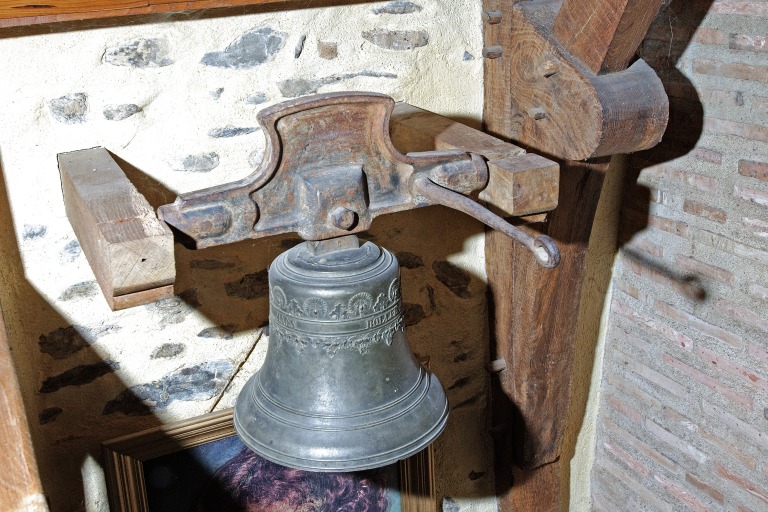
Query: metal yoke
[329, 169]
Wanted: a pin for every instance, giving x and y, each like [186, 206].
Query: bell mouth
[354, 442]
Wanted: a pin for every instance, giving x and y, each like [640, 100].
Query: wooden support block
[519, 183]
[128, 248]
[522, 185]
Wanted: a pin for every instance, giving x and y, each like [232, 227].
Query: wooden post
[535, 311]
[20, 487]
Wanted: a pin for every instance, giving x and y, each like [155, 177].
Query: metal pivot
[330, 168]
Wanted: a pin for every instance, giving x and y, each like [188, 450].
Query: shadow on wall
[661, 49]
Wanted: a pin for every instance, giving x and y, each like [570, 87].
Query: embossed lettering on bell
[340, 389]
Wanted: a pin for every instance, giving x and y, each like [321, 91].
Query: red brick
[628, 388]
[704, 211]
[675, 227]
[730, 451]
[645, 246]
[715, 494]
[694, 322]
[729, 98]
[709, 36]
[725, 244]
[750, 169]
[652, 376]
[616, 472]
[747, 42]
[687, 288]
[694, 266]
[688, 179]
[715, 385]
[628, 460]
[736, 70]
[624, 409]
[745, 483]
[743, 315]
[707, 155]
[753, 8]
[758, 437]
[731, 368]
[681, 494]
[754, 132]
[617, 432]
[757, 227]
[665, 331]
[751, 195]
[675, 442]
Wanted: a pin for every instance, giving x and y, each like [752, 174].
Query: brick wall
[683, 418]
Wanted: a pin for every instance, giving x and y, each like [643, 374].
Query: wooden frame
[124, 460]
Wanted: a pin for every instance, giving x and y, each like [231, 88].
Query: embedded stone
[450, 505]
[223, 332]
[453, 277]
[299, 48]
[248, 51]
[79, 291]
[48, 415]
[78, 376]
[397, 40]
[62, 342]
[397, 7]
[409, 260]
[231, 131]
[201, 162]
[173, 310]
[327, 50]
[256, 99]
[120, 112]
[216, 94]
[468, 56]
[70, 108]
[295, 87]
[142, 53]
[193, 383]
[250, 286]
[459, 383]
[168, 350]
[412, 313]
[211, 264]
[33, 231]
[476, 475]
[71, 251]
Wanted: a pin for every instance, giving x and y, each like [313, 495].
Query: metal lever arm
[543, 247]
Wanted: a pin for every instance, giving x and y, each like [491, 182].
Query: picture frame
[137, 460]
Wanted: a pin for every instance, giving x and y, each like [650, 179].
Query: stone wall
[684, 410]
[174, 98]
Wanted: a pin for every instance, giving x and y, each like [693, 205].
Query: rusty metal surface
[330, 168]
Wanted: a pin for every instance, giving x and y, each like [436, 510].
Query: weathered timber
[20, 487]
[545, 98]
[519, 183]
[128, 248]
[557, 105]
[611, 30]
[15, 13]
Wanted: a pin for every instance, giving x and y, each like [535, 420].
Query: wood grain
[604, 34]
[20, 487]
[128, 248]
[21, 8]
[557, 106]
[50, 13]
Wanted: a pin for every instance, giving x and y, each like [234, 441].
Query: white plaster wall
[48, 291]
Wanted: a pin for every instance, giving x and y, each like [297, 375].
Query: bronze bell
[339, 389]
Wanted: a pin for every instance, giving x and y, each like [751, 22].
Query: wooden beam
[604, 34]
[128, 248]
[20, 487]
[542, 96]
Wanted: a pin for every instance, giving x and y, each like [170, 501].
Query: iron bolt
[343, 218]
